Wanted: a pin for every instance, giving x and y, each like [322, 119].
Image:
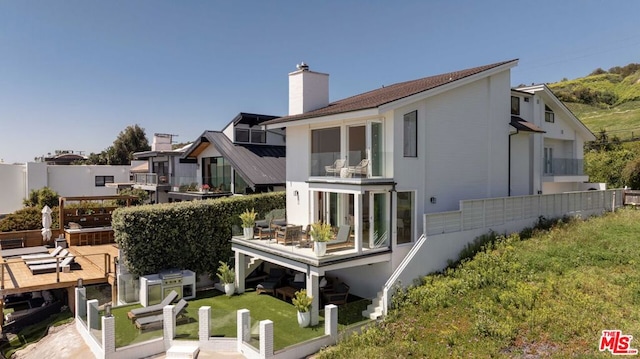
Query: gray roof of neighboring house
[257, 164]
[387, 94]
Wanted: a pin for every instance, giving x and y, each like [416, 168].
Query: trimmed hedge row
[186, 235]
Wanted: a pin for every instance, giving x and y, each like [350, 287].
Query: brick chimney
[308, 90]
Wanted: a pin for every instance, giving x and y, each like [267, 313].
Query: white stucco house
[381, 161]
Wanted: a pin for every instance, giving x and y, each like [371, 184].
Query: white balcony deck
[343, 257]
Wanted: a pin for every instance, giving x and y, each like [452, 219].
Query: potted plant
[303, 303]
[248, 219]
[228, 277]
[320, 234]
[205, 188]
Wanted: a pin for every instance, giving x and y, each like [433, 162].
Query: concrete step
[183, 351]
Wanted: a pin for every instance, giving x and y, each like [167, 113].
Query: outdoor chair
[156, 321]
[152, 309]
[335, 167]
[342, 238]
[360, 168]
[53, 254]
[264, 228]
[272, 282]
[337, 295]
[50, 267]
[47, 259]
[289, 234]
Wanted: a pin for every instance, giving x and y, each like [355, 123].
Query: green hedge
[186, 235]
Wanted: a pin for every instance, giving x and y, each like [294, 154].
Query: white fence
[491, 212]
[103, 345]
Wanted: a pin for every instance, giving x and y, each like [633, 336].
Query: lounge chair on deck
[152, 309]
[47, 260]
[336, 167]
[276, 275]
[50, 267]
[156, 321]
[53, 254]
[342, 238]
[289, 234]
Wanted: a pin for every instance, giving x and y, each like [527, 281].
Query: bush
[28, 218]
[189, 235]
[41, 197]
[631, 174]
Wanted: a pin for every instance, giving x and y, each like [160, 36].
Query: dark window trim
[101, 181]
[410, 152]
[515, 106]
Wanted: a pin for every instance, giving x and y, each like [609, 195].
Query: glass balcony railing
[354, 165]
[564, 167]
[149, 179]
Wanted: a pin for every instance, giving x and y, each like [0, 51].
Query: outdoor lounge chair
[289, 234]
[47, 260]
[337, 295]
[51, 267]
[53, 254]
[360, 168]
[152, 309]
[276, 275]
[342, 238]
[335, 167]
[156, 321]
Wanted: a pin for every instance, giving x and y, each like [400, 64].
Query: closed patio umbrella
[46, 223]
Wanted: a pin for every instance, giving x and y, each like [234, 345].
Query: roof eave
[368, 113]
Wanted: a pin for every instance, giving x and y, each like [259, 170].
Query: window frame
[242, 130]
[101, 181]
[515, 110]
[410, 140]
[261, 133]
[549, 115]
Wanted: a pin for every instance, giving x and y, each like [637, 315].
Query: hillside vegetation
[605, 100]
[548, 296]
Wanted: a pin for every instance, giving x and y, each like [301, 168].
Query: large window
[515, 105]
[411, 134]
[242, 135]
[405, 213]
[548, 160]
[325, 149]
[548, 114]
[217, 173]
[101, 181]
[258, 136]
[239, 184]
[253, 135]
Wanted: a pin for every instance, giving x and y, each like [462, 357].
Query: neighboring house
[18, 180]
[381, 160]
[242, 158]
[548, 158]
[164, 169]
[64, 157]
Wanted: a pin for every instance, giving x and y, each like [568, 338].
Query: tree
[631, 174]
[143, 196]
[132, 139]
[41, 197]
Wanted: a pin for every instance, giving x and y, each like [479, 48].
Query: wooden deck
[96, 262]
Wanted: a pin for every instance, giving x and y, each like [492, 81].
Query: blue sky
[73, 74]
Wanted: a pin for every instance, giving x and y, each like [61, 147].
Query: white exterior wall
[14, 190]
[18, 180]
[298, 148]
[466, 144]
[521, 163]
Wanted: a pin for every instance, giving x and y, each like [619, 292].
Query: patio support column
[169, 326]
[266, 339]
[240, 268]
[357, 221]
[313, 291]
[204, 316]
[244, 327]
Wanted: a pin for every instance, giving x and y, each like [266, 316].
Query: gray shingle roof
[387, 94]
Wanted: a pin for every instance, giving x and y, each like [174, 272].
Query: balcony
[151, 179]
[354, 167]
[564, 169]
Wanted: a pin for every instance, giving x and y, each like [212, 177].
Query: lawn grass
[224, 316]
[548, 296]
[33, 333]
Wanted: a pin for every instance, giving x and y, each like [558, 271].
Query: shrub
[225, 273]
[190, 235]
[41, 197]
[301, 301]
[27, 219]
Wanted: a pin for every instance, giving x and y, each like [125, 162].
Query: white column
[266, 339]
[313, 291]
[204, 317]
[244, 327]
[109, 336]
[331, 321]
[92, 314]
[357, 221]
[240, 269]
[81, 302]
[169, 326]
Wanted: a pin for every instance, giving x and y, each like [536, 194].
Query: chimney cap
[302, 66]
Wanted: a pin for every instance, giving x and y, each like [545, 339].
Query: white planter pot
[320, 248]
[304, 319]
[229, 289]
[248, 233]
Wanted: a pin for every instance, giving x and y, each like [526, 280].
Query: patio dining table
[17, 252]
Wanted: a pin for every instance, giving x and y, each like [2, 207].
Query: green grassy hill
[549, 296]
[605, 100]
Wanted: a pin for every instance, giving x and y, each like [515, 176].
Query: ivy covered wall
[185, 235]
